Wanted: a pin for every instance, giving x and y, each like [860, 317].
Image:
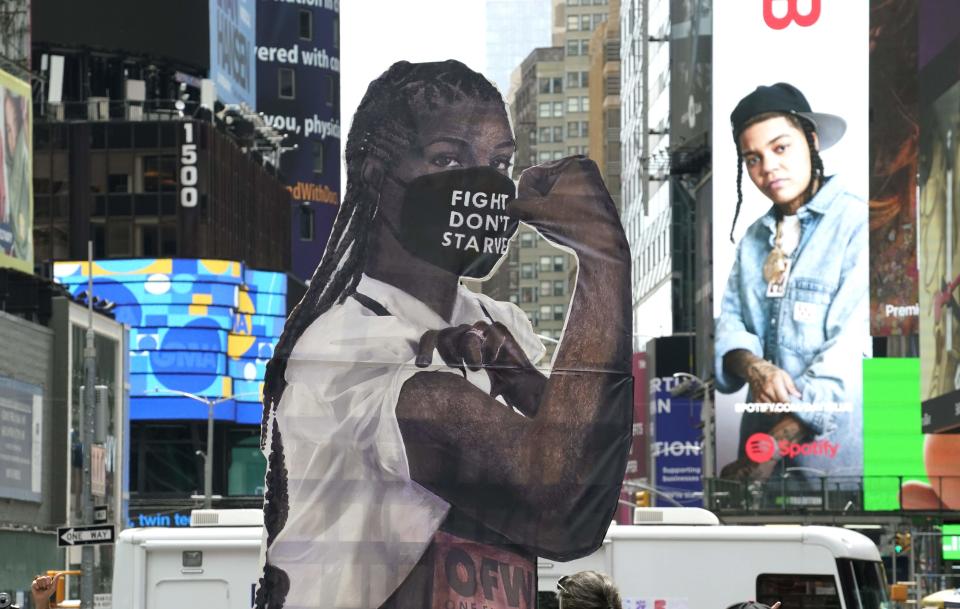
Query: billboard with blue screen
[233, 28]
[203, 327]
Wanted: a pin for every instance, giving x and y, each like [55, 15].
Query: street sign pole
[86, 439]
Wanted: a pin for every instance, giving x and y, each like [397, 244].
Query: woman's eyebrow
[507, 144]
[447, 139]
[770, 143]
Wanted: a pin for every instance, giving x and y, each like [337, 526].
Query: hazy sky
[376, 33]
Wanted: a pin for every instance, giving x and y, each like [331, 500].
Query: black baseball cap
[783, 97]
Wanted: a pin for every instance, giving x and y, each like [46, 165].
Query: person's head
[588, 590]
[413, 120]
[778, 140]
[751, 605]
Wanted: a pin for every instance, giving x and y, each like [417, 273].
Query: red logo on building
[793, 14]
[761, 447]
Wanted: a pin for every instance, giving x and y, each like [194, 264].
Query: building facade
[513, 28]
[298, 92]
[604, 147]
[645, 141]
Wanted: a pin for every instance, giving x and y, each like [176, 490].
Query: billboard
[904, 468]
[791, 272]
[951, 541]
[21, 440]
[203, 327]
[677, 449]
[894, 145]
[16, 171]
[939, 256]
[298, 93]
[422, 452]
[233, 43]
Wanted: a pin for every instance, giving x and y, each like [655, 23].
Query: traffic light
[901, 543]
[642, 498]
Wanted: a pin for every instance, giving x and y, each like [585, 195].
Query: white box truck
[681, 558]
[212, 564]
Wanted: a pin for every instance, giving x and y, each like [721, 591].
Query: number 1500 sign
[188, 168]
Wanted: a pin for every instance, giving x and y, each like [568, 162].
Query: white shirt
[357, 523]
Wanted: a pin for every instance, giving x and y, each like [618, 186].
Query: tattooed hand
[768, 383]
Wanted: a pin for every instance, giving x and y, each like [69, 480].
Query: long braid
[816, 163]
[736, 214]
[382, 130]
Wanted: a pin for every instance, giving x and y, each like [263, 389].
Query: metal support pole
[86, 438]
[208, 460]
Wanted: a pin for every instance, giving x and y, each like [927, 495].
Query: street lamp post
[694, 385]
[208, 454]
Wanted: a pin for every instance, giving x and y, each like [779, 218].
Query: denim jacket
[818, 332]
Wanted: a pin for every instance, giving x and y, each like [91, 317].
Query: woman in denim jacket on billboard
[794, 321]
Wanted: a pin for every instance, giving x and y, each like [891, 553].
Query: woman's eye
[751, 161]
[500, 164]
[445, 161]
[780, 148]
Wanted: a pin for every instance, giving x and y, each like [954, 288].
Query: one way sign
[85, 535]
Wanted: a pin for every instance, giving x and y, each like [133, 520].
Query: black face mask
[457, 220]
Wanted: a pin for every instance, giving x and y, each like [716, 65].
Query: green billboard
[951, 541]
[892, 438]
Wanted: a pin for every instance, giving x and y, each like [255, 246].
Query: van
[213, 563]
[682, 558]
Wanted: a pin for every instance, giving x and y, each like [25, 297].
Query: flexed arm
[549, 481]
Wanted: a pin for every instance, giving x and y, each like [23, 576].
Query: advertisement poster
[894, 146]
[16, 170]
[233, 29]
[791, 242]
[939, 218]
[677, 449]
[205, 327]
[21, 427]
[298, 94]
[420, 450]
[903, 468]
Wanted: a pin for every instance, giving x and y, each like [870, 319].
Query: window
[546, 288]
[528, 295]
[558, 263]
[573, 104]
[584, 129]
[558, 311]
[336, 32]
[306, 223]
[573, 2]
[526, 239]
[159, 174]
[585, 104]
[287, 85]
[573, 23]
[306, 25]
[545, 312]
[558, 287]
[545, 264]
[573, 48]
[545, 84]
[585, 23]
[557, 134]
[317, 157]
[557, 109]
[572, 150]
[545, 135]
[544, 110]
[557, 155]
[800, 591]
[573, 130]
[514, 298]
[527, 270]
[331, 91]
[544, 156]
[578, 80]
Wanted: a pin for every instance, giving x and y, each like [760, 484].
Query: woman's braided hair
[384, 130]
[816, 163]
